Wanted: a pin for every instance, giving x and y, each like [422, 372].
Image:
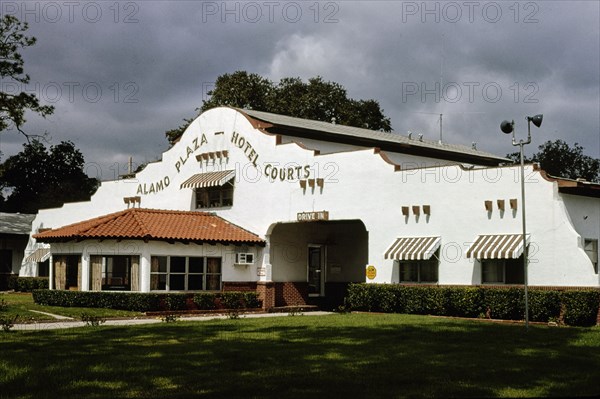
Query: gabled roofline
[569, 186]
[87, 229]
[317, 130]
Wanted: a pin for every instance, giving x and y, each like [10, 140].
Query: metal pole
[521, 143]
[524, 236]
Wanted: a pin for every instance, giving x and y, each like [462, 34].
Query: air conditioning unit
[244, 258]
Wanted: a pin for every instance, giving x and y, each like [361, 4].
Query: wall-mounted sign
[313, 216]
[371, 272]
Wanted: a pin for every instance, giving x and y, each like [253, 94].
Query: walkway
[132, 322]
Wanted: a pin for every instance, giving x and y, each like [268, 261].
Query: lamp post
[509, 127]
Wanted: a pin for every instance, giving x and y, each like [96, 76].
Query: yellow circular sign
[371, 272]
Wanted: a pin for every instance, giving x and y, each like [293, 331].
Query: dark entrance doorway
[313, 262]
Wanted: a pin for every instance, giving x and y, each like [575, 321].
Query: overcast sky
[122, 73]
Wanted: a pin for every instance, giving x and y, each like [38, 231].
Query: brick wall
[291, 293]
[239, 286]
[266, 293]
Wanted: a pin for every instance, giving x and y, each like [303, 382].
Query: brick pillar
[266, 293]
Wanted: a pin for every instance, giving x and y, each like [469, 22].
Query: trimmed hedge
[147, 302]
[27, 284]
[576, 308]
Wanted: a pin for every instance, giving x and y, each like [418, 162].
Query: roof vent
[410, 135]
[474, 145]
[420, 136]
[333, 120]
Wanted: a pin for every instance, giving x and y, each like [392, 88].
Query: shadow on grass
[341, 356]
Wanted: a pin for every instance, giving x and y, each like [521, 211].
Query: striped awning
[413, 248]
[497, 246]
[208, 179]
[39, 255]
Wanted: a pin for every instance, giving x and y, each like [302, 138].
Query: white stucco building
[301, 208]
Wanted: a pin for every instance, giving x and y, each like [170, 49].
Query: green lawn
[22, 304]
[346, 356]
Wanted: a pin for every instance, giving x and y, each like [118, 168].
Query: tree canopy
[39, 178]
[316, 99]
[14, 102]
[559, 159]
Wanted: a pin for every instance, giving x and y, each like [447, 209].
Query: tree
[14, 102]
[37, 178]
[558, 159]
[316, 99]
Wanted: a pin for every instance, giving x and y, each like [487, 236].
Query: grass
[346, 356]
[22, 304]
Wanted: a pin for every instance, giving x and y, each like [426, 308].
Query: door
[316, 270]
[5, 268]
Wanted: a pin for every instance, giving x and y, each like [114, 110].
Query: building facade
[14, 233]
[322, 205]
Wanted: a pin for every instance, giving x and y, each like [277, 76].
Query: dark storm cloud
[126, 77]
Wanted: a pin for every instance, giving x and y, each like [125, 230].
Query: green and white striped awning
[209, 179]
[413, 248]
[497, 246]
[39, 255]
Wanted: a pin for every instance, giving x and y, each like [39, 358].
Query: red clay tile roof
[154, 224]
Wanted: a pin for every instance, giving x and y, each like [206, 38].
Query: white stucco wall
[358, 185]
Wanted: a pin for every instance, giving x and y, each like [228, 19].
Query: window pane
[159, 264]
[227, 196]
[492, 271]
[591, 248]
[177, 264]
[213, 265]
[195, 282]
[177, 282]
[214, 197]
[201, 198]
[429, 272]
[408, 272]
[196, 265]
[515, 273]
[44, 268]
[213, 282]
[158, 282]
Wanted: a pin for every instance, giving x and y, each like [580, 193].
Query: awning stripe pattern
[208, 179]
[413, 248]
[497, 246]
[39, 255]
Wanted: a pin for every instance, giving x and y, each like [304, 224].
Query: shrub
[504, 303]
[580, 307]
[227, 300]
[544, 306]
[8, 322]
[174, 302]
[141, 301]
[92, 321]
[464, 301]
[205, 300]
[27, 284]
[374, 297]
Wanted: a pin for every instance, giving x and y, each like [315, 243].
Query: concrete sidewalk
[132, 322]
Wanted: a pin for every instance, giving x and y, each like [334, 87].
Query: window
[44, 268]
[116, 273]
[215, 197]
[590, 247]
[502, 271]
[420, 271]
[181, 273]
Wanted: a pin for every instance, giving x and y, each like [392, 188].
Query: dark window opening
[215, 197]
